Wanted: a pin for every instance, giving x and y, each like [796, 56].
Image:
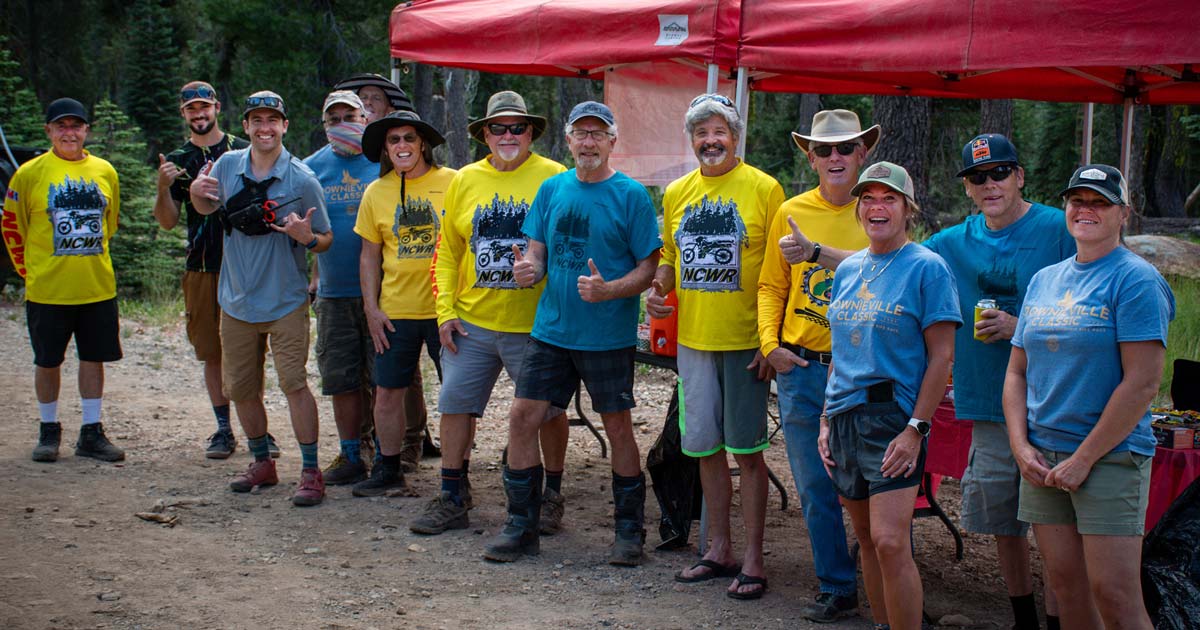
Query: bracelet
[816, 253]
[312, 243]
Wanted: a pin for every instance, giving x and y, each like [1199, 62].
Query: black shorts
[552, 373]
[394, 368]
[94, 326]
[858, 440]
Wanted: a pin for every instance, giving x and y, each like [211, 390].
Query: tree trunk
[1137, 160]
[809, 105]
[457, 140]
[996, 116]
[422, 94]
[571, 92]
[905, 141]
[1166, 190]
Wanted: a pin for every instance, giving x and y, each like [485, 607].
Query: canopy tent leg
[714, 73]
[1126, 136]
[1089, 112]
[397, 64]
[742, 99]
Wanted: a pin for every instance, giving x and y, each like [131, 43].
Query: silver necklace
[875, 263]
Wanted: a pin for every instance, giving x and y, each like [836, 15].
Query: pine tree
[20, 113]
[152, 76]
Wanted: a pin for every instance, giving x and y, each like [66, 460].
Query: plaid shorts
[552, 373]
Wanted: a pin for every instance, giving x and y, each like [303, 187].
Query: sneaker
[553, 506]
[829, 607]
[410, 457]
[221, 445]
[272, 447]
[49, 438]
[93, 443]
[441, 514]
[311, 490]
[381, 480]
[259, 473]
[341, 472]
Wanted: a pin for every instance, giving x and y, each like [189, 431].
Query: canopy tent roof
[1099, 51]
[564, 37]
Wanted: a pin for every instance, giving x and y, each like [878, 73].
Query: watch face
[923, 428]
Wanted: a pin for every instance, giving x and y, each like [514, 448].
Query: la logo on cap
[980, 149]
[1094, 173]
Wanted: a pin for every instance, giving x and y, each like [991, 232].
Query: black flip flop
[743, 580]
[715, 570]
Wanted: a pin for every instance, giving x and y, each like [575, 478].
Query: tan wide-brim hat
[506, 103]
[831, 126]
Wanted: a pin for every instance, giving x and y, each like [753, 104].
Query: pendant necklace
[875, 263]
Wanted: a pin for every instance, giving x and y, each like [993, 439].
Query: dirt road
[75, 556]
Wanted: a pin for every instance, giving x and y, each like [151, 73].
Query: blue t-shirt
[996, 264]
[611, 222]
[343, 181]
[877, 327]
[264, 277]
[1074, 318]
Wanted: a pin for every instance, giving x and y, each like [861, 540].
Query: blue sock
[222, 414]
[350, 450]
[308, 455]
[452, 483]
[258, 447]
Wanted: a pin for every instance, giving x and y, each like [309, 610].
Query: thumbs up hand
[656, 301]
[796, 247]
[593, 288]
[524, 272]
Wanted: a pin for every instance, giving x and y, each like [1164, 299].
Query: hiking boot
[410, 456]
[311, 490]
[441, 514]
[49, 437]
[258, 473]
[829, 607]
[272, 447]
[220, 445]
[428, 448]
[341, 471]
[382, 479]
[629, 506]
[464, 493]
[520, 532]
[93, 443]
[553, 506]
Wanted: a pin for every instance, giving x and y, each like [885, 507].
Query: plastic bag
[1171, 564]
[676, 479]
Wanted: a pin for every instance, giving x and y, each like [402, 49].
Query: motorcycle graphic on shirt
[710, 239]
[495, 228]
[570, 239]
[415, 226]
[76, 211]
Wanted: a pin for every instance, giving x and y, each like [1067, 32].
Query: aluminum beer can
[980, 307]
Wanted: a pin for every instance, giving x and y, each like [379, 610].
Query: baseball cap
[593, 109]
[264, 99]
[197, 91]
[64, 107]
[1102, 178]
[891, 175]
[987, 148]
[344, 97]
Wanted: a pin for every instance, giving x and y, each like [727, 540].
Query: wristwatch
[816, 253]
[922, 426]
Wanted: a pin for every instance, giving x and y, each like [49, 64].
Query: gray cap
[592, 109]
[1101, 178]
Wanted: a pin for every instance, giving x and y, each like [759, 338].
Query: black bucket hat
[395, 95]
[375, 135]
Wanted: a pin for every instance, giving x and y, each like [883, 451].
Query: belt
[824, 358]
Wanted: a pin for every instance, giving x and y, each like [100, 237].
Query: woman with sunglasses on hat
[1086, 362]
[892, 318]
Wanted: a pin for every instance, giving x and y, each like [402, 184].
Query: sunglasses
[998, 174]
[516, 129]
[843, 148]
[196, 92]
[408, 138]
[723, 100]
[271, 102]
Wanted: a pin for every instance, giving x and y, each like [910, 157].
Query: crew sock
[48, 411]
[1052, 622]
[308, 454]
[222, 414]
[350, 450]
[258, 447]
[91, 410]
[452, 484]
[554, 480]
[1024, 612]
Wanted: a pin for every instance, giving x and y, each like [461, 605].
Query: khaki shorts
[203, 314]
[244, 347]
[1111, 502]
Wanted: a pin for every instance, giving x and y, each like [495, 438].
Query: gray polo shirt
[264, 277]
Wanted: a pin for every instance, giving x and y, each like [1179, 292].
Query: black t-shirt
[204, 234]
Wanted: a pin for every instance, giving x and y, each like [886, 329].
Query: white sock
[91, 410]
[48, 411]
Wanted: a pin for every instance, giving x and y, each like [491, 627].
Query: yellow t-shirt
[408, 238]
[485, 209]
[796, 297]
[58, 218]
[715, 236]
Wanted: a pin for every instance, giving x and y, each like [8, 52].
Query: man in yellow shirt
[794, 333]
[398, 221]
[484, 317]
[715, 224]
[59, 214]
